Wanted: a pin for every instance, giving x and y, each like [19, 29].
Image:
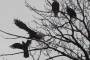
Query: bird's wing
[17, 45]
[28, 42]
[22, 25]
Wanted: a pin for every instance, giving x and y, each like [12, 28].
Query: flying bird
[23, 46]
[55, 8]
[32, 34]
[71, 12]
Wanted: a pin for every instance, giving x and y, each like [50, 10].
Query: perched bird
[32, 34]
[55, 8]
[89, 0]
[71, 12]
[23, 46]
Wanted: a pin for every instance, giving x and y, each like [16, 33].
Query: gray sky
[10, 9]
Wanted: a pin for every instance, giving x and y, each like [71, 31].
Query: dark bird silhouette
[89, 0]
[55, 8]
[32, 34]
[23, 46]
[71, 12]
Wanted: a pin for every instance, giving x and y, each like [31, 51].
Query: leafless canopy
[64, 39]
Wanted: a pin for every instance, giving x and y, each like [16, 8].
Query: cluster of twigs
[68, 39]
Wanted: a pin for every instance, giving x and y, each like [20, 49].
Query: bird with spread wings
[32, 34]
[24, 46]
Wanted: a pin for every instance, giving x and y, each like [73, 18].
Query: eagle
[55, 8]
[23, 46]
[32, 34]
[71, 12]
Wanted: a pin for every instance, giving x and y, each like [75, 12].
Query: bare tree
[64, 38]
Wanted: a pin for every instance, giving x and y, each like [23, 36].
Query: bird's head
[54, 0]
[41, 35]
[68, 6]
[23, 42]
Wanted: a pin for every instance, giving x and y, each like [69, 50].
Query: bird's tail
[26, 54]
[56, 14]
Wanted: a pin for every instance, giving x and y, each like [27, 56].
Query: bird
[55, 8]
[32, 34]
[71, 12]
[89, 0]
[23, 46]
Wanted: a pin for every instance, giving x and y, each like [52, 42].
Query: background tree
[64, 38]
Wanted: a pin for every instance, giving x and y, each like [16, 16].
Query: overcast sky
[10, 9]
